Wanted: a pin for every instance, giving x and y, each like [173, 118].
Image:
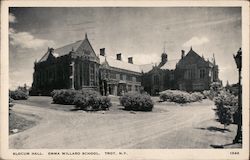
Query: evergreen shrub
[226, 106]
[64, 96]
[136, 101]
[180, 96]
[18, 95]
[85, 99]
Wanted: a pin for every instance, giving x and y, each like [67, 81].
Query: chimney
[102, 51]
[130, 60]
[182, 54]
[119, 56]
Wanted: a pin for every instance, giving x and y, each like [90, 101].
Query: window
[121, 77]
[138, 79]
[112, 75]
[129, 87]
[202, 73]
[171, 76]
[188, 74]
[92, 75]
[156, 80]
[129, 78]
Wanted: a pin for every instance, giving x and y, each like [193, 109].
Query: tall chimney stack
[102, 51]
[130, 60]
[182, 54]
[119, 56]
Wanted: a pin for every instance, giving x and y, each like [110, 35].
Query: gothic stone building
[77, 66]
[190, 73]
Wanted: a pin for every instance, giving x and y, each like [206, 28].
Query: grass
[45, 102]
[169, 125]
[18, 122]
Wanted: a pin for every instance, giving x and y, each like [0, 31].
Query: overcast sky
[137, 32]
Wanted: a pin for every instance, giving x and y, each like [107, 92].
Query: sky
[139, 32]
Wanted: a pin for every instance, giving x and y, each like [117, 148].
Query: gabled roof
[192, 57]
[44, 57]
[80, 47]
[170, 65]
[67, 48]
[112, 62]
[147, 67]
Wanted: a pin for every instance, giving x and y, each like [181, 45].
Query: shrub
[226, 105]
[136, 101]
[180, 96]
[18, 95]
[197, 96]
[105, 103]
[64, 96]
[88, 100]
[215, 88]
[206, 94]
[11, 104]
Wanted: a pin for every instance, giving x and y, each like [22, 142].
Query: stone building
[190, 73]
[77, 66]
[194, 73]
[118, 76]
[73, 66]
[160, 77]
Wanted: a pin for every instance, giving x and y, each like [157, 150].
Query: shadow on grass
[75, 109]
[222, 146]
[215, 129]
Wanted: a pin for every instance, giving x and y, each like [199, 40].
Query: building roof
[112, 62]
[62, 50]
[170, 65]
[81, 47]
[66, 49]
[147, 67]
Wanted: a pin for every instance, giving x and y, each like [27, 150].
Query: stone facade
[77, 66]
[117, 76]
[74, 66]
[194, 73]
[190, 73]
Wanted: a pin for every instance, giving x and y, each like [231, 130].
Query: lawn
[169, 125]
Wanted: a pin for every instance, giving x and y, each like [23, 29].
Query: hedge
[180, 96]
[18, 95]
[136, 101]
[88, 100]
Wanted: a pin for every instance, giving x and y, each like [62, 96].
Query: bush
[226, 105]
[88, 100]
[105, 103]
[18, 95]
[136, 101]
[11, 104]
[64, 96]
[197, 96]
[215, 89]
[207, 94]
[180, 96]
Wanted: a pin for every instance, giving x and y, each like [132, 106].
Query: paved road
[175, 127]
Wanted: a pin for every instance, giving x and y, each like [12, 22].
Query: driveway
[169, 126]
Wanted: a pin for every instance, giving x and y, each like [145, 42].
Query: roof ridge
[69, 44]
[46, 53]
